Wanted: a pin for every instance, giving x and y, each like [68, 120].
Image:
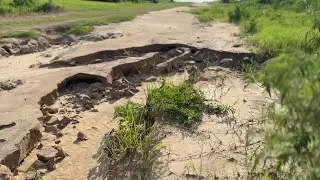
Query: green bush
[49, 7]
[180, 103]
[293, 139]
[235, 15]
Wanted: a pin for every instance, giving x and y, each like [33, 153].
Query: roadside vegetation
[289, 32]
[136, 144]
[46, 13]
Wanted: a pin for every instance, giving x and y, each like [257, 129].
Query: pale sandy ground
[207, 152]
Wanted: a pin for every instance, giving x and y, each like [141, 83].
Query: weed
[37, 176]
[49, 7]
[79, 30]
[135, 141]
[219, 109]
[181, 103]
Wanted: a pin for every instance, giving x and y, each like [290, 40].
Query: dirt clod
[5, 173]
[10, 84]
[81, 137]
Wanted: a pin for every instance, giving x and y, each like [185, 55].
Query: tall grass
[289, 30]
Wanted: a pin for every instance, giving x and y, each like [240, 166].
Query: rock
[66, 40]
[10, 84]
[64, 122]
[42, 172]
[51, 129]
[53, 120]
[226, 62]
[3, 52]
[58, 141]
[180, 70]
[88, 106]
[94, 110]
[191, 69]
[151, 79]
[50, 110]
[197, 57]
[174, 52]
[117, 94]
[5, 173]
[74, 121]
[128, 93]
[30, 47]
[189, 62]
[60, 153]
[40, 146]
[11, 48]
[93, 38]
[47, 154]
[51, 165]
[39, 165]
[81, 137]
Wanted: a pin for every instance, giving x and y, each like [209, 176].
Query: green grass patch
[21, 34]
[216, 12]
[180, 103]
[273, 30]
[79, 30]
[134, 145]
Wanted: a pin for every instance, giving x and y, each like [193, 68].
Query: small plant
[235, 15]
[180, 103]
[80, 30]
[49, 7]
[219, 109]
[250, 26]
[37, 176]
[135, 141]
[225, 1]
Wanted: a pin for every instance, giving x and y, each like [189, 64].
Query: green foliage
[217, 12]
[135, 141]
[48, 7]
[80, 30]
[181, 103]
[293, 140]
[235, 15]
[21, 34]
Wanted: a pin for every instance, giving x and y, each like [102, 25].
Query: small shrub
[48, 7]
[225, 1]
[181, 103]
[250, 26]
[235, 15]
[135, 141]
[79, 30]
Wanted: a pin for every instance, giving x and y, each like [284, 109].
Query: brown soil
[74, 89]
